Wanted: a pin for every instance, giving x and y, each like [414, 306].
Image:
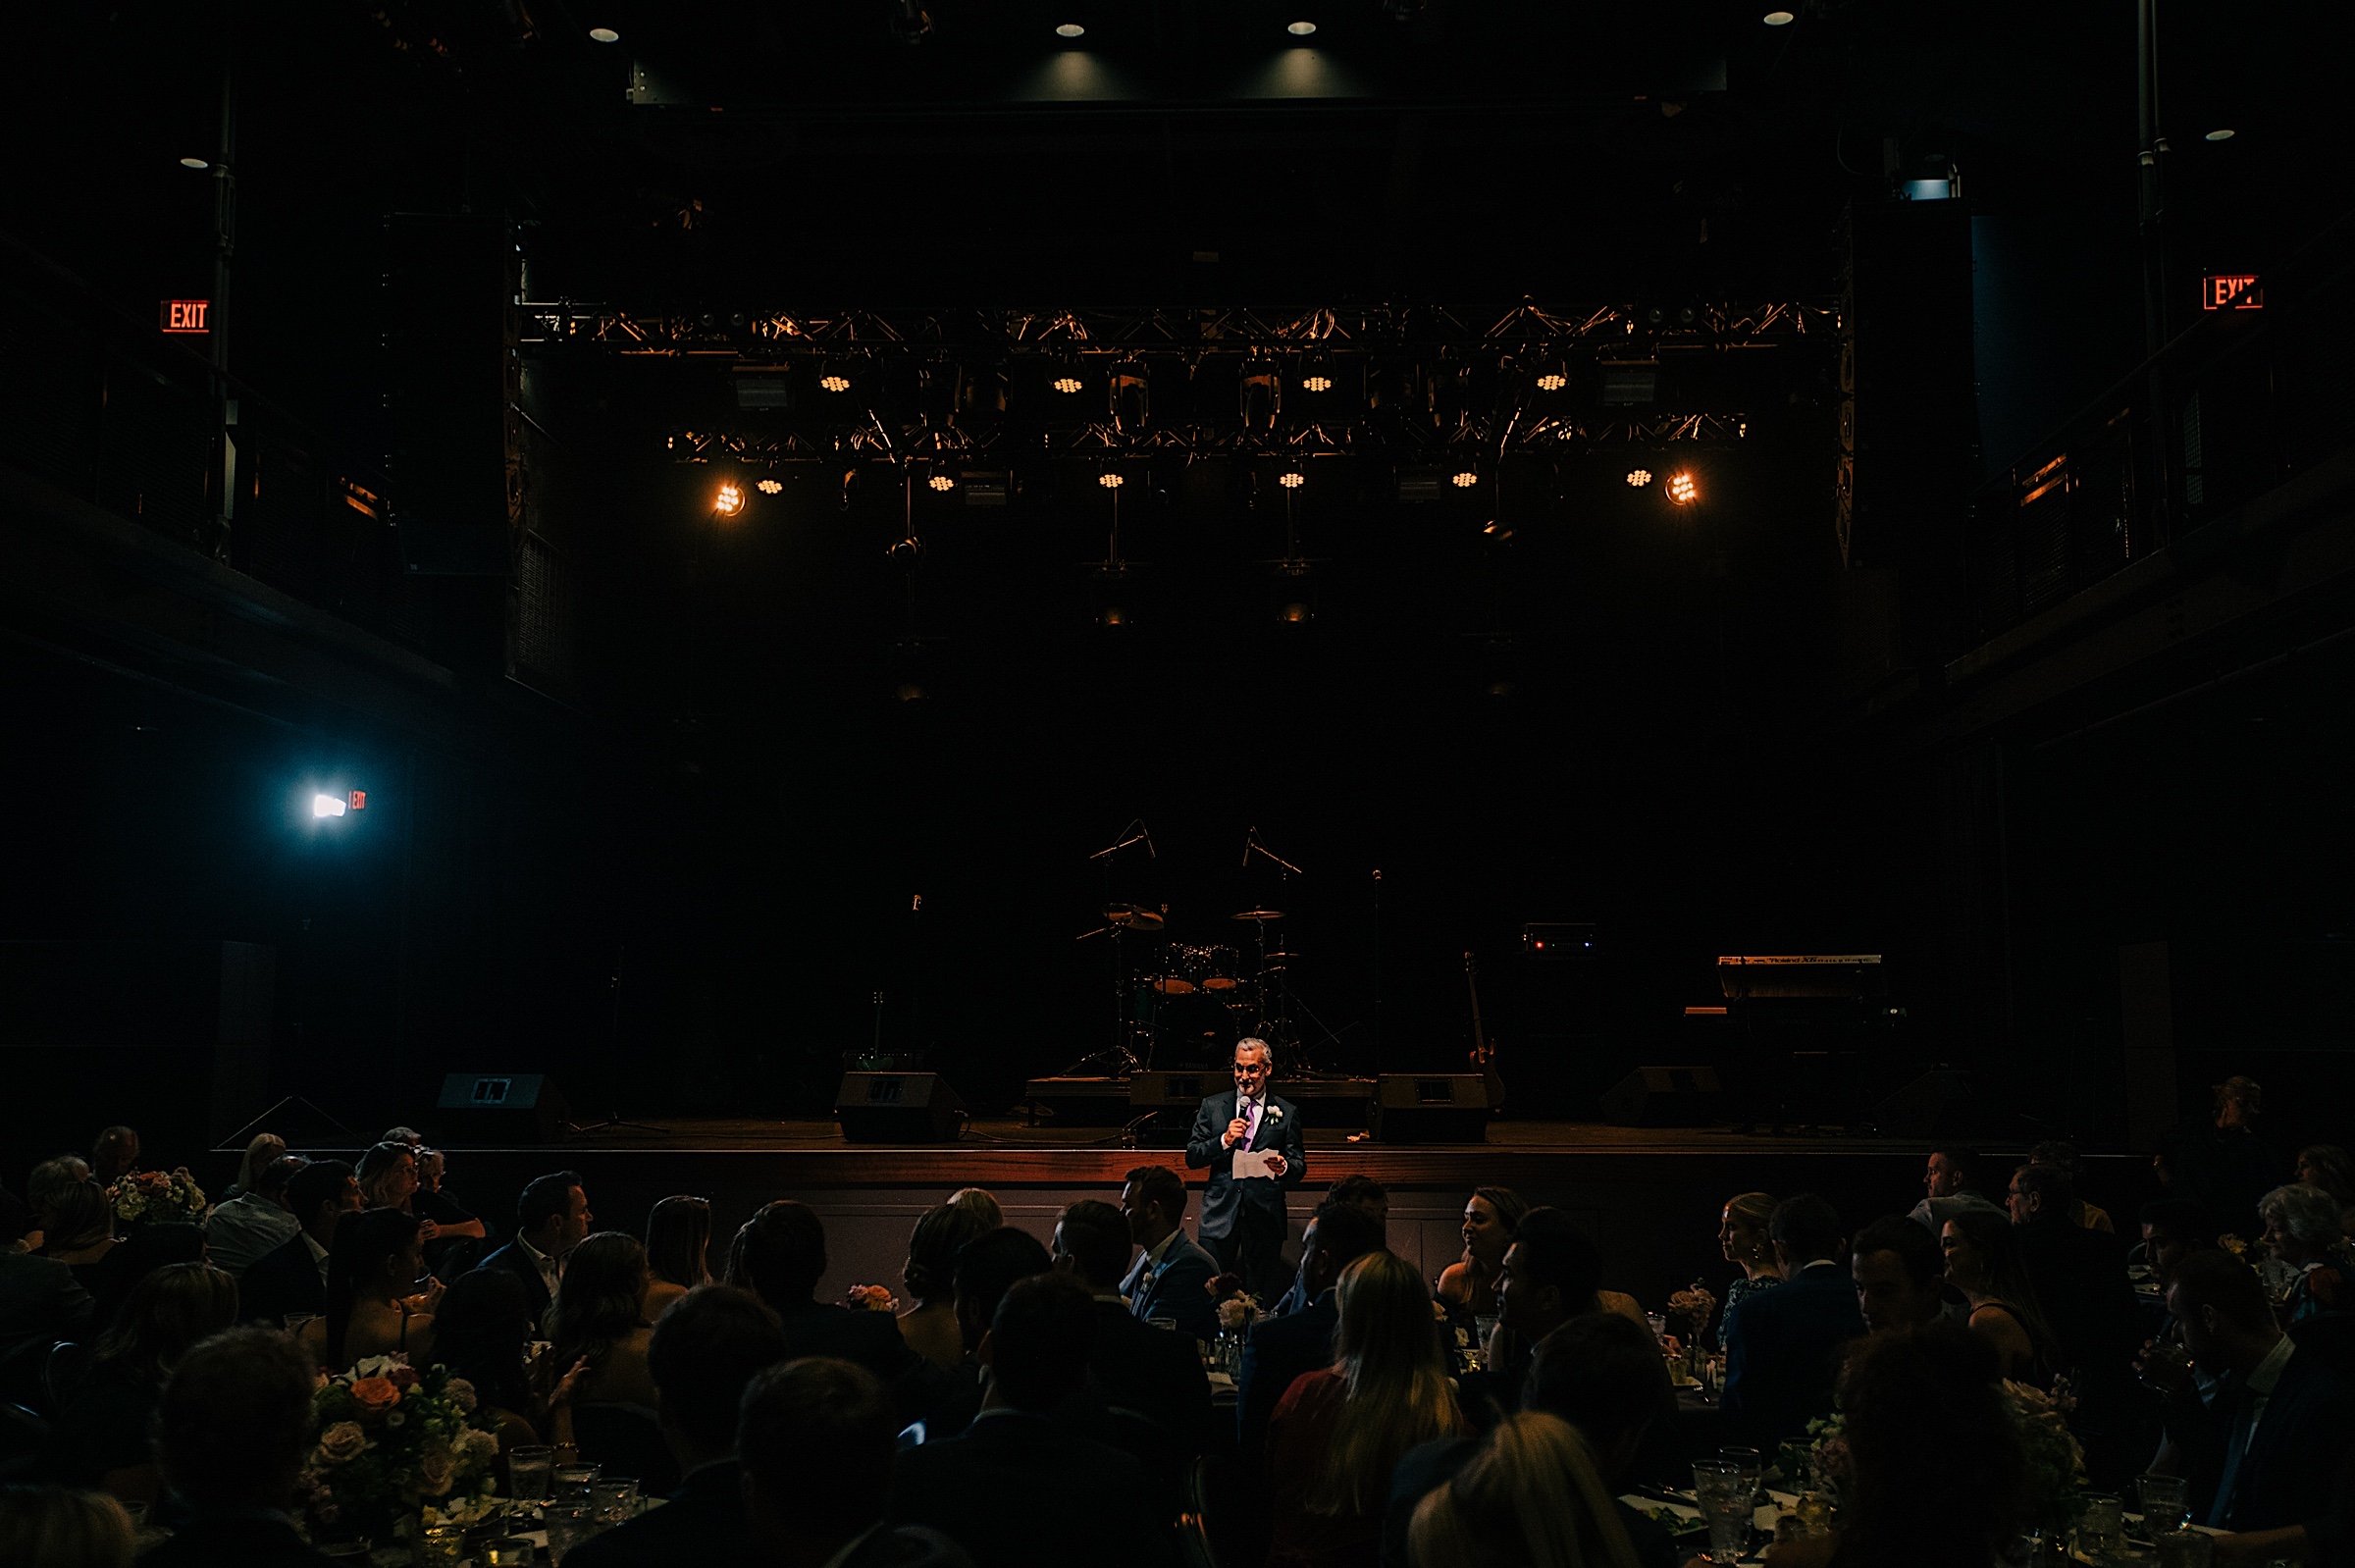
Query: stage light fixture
[1552, 381]
[1110, 481]
[1069, 385]
[1315, 384]
[2219, 134]
[1779, 18]
[1301, 29]
[200, 165]
[835, 381]
[1291, 479]
[1683, 488]
[1464, 479]
[728, 500]
[328, 805]
[770, 487]
[941, 483]
[1069, 30]
[604, 35]
[1638, 478]
[1294, 614]
[1111, 616]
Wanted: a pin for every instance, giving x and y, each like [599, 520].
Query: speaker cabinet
[1940, 1103]
[898, 1107]
[1665, 1097]
[1431, 1108]
[1171, 1099]
[506, 1108]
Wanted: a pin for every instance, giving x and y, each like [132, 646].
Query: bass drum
[1192, 1032]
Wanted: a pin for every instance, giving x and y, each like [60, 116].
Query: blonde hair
[979, 1201]
[265, 1147]
[1397, 1395]
[50, 1526]
[1532, 1497]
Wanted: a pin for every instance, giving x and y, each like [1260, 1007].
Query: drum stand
[1120, 920]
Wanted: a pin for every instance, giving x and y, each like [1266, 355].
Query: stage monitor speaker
[898, 1107]
[509, 1107]
[1664, 1097]
[1431, 1108]
[1940, 1103]
[1171, 1099]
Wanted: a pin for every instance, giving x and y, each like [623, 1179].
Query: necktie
[2244, 1406]
[1251, 1131]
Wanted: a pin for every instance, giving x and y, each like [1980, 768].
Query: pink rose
[342, 1443]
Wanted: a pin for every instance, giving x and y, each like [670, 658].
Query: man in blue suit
[1783, 1346]
[1244, 1218]
[1170, 1277]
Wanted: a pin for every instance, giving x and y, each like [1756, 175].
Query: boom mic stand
[613, 1117]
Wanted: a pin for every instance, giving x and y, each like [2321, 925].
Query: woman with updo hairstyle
[1743, 1241]
[678, 1252]
[100, 1435]
[375, 1304]
[599, 1316]
[1490, 1217]
[931, 1324]
[1531, 1496]
[1983, 1262]
[982, 1202]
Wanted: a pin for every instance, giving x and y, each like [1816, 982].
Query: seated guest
[986, 1269]
[376, 1305]
[240, 1230]
[293, 1277]
[2262, 1454]
[1551, 1273]
[458, 1232]
[780, 1255]
[114, 1155]
[552, 1218]
[2172, 1230]
[2330, 1166]
[148, 1248]
[1360, 1191]
[1490, 1217]
[1983, 1262]
[1898, 1272]
[1949, 1504]
[100, 1435]
[1172, 1276]
[387, 1176]
[707, 1351]
[2056, 1152]
[1135, 1367]
[1950, 1185]
[814, 1439]
[52, 1177]
[595, 1317]
[1782, 1347]
[1037, 1356]
[983, 1204]
[404, 1134]
[41, 1303]
[678, 1252]
[930, 1326]
[1530, 1495]
[2301, 1227]
[482, 1331]
[49, 1527]
[1742, 1240]
[1283, 1349]
[266, 1148]
[2080, 1284]
[77, 1224]
[230, 1435]
[1338, 1433]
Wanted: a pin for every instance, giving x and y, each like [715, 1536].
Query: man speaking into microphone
[1250, 1140]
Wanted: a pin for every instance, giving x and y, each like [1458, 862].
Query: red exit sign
[188, 316]
[2217, 292]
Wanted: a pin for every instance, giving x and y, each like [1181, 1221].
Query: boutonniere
[1275, 1112]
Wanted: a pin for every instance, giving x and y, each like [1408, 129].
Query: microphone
[1248, 835]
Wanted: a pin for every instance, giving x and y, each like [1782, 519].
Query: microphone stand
[1120, 1055]
[613, 1117]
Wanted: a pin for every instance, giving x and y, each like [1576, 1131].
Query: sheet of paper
[1254, 1162]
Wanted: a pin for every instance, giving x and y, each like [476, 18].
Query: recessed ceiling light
[1301, 29]
[1069, 30]
[1779, 18]
[2219, 134]
[199, 163]
[604, 35]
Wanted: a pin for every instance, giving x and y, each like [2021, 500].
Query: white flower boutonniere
[1275, 1112]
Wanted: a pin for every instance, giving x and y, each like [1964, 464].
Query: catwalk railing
[2251, 394]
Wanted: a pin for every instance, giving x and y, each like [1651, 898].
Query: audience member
[114, 1155]
[2331, 1168]
[986, 1269]
[2078, 1277]
[1282, 1350]
[41, 1303]
[1742, 1240]
[1360, 1191]
[1950, 1184]
[2262, 1453]
[481, 1332]
[2222, 1163]
[18, 1221]
[291, 1279]
[2058, 1152]
[2172, 1230]
[242, 1229]
[232, 1430]
[1898, 1275]
[1135, 1367]
[814, 1439]
[678, 1252]
[404, 1134]
[100, 1435]
[458, 1232]
[780, 1255]
[1949, 1504]
[981, 1202]
[387, 1176]
[596, 1316]
[929, 1324]
[1172, 1276]
[1782, 1345]
[52, 1177]
[552, 1218]
[78, 1224]
[49, 1527]
[264, 1149]
[1530, 1495]
[1037, 1355]
[1552, 1273]
[705, 1351]
[376, 1305]
[1983, 1262]
[148, 1248]
[1490, 1217]
[2301, 1228]
[1338, 1433]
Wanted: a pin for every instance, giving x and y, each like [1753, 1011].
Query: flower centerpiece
[157, 1198]
[1692, 1308]
[395, 1445]
[872, 1298]
[2053, 1477]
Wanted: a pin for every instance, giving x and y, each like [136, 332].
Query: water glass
[2184, 1548]
[443, 1547]
[568, 1524]
[615, 1498]
[1750, 1463]
[1659, 1322]
[2166, 1503]
[1729, 1520]
[2100, 1524]
[509, 1552]
[571, 1484]
[1715, 1477]
[527, 1472]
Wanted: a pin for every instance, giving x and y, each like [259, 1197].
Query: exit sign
[2217, 289]
[184, 316]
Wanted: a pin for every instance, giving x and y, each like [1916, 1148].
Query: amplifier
[1431, 1108]
[898, 1107]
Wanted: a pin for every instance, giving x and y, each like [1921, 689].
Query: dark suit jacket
[1276, 1352]
[1429, 1466]
[1137, 1367]
[1178, 1288]
[1782, 1354]
[41, 1303]
[2080, 1281]
[1222, 1197]
[250, 1540]
[702, 1522]
[535, 1289]
[2285, 1477]
[283, 1280]
[1018, 1489]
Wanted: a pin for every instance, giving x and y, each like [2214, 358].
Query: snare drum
[1217, 969]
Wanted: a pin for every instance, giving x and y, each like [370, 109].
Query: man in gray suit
[1244, 1214]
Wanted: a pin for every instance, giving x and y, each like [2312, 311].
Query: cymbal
[1132, 918]
[1281, 957]
[1257, 914]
